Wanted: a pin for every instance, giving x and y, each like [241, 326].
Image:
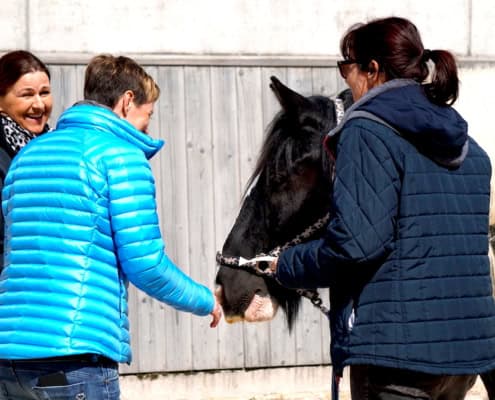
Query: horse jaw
[261, 308]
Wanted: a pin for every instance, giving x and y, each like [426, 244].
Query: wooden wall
[213, 119]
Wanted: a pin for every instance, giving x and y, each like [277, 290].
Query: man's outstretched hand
[216, 314]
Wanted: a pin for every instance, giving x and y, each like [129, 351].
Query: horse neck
[249, 235]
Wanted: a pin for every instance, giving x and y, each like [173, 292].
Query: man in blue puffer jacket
[81, 221]
[405, 253]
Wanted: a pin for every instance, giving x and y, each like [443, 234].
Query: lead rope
[339, 109]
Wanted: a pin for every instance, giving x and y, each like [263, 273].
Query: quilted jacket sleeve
[139, 244]
[364, 208]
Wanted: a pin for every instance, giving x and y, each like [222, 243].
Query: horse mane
[286, 142]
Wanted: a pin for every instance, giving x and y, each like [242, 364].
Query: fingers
[264, 265]
[273, 265]
[216, 314]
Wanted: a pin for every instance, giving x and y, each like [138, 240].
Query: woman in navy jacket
[81, 222]
[405, 253]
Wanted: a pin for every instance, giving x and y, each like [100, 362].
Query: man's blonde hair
[107, 78]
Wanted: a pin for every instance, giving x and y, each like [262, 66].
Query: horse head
[289, 189]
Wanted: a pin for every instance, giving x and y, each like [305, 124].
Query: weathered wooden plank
[174, 207]
[251, 133]
[327, 82]
[250, 119]
[226, 153]
[79, 91]
[201, 205]
[66, 83]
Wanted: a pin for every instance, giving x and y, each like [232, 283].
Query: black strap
[373, 117]
[5, 161]
[74, 358]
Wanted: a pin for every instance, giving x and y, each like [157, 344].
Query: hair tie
[426, 55]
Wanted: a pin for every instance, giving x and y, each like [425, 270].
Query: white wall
[476, 103]
[265, 28]
[294, 27]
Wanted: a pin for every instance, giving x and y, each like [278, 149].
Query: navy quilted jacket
[81, 220]
[405, 253]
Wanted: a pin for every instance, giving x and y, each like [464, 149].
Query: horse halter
[339, 109]
[253, 265]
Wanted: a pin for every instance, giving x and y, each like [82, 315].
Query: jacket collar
[99, 117]
[393, 84]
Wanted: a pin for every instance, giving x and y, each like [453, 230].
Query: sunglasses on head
[343, 66]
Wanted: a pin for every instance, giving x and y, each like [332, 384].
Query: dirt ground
[300, 383]
[476, 393]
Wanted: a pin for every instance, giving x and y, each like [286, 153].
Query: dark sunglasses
[344, 66]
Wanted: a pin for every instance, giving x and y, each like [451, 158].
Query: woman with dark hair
[81, 223]
[405, 253]
[25, 106]
[25, 99]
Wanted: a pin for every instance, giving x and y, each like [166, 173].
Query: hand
[216, 314]
[265, 266]
[273, 265]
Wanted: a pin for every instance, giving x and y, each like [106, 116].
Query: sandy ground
[298, 383]
[477, 393]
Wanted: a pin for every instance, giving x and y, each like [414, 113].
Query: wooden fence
[213, 120]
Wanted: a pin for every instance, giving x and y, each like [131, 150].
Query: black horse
[290, 189]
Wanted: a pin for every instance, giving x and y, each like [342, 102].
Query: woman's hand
[264, 266]
[273, 265]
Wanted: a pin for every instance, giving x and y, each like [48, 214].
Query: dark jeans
[74, 379]
[379, 383]
[488, 379]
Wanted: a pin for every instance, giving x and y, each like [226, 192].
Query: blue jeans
[59, 379]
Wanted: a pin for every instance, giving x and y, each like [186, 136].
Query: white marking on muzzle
[262, 308]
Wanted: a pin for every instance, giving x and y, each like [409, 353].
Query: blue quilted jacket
[405, 252]
[81, 221]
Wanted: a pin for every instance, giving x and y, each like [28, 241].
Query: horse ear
[288, 99]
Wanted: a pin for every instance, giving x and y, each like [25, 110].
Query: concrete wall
[287, 27]
[218, 30]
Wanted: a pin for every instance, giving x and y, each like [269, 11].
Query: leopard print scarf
[15, 136]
